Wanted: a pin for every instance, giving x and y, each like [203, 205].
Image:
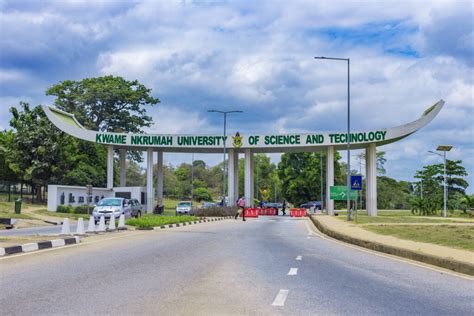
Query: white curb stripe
[29, 247]
[298, 258]
[293, 271]
[58, 243]
[2, 252]
[280, 298]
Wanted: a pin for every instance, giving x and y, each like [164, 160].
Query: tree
[41, 154]
[202, 194]
[380, 158]
[6, 141]
[107, 103]
[300, 176]
[432, 179]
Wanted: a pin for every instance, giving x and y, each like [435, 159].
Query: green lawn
[461, 237]
[61, 215]
[158, 220]
[398, 216]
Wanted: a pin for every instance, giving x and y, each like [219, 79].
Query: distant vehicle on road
[112, 208]
[208, 205]
[313, 205]
[184, 208]
[272, 205]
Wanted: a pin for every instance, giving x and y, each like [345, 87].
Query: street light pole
[444, 149]
[348, 136]
[225, 136]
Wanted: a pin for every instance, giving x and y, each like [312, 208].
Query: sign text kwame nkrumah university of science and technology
[244, 141]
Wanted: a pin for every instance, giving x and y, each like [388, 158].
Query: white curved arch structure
[248, 144]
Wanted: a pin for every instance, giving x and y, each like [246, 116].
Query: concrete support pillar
[248, 178]
[371, 180]
[233, 177]
[150, 199]
[123, 168]
[329, 179]
[110, 167]
[159, 183]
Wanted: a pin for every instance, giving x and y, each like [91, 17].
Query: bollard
[121, 225]
[66, 229]
[91, 227]
[101, 224]
[111, 223]
[80, 226]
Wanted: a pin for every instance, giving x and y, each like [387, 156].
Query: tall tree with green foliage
[41, 154]
[301, 176]
[432, 183]
[108, 103]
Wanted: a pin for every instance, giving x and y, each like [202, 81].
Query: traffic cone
[66, 229]
[101, 224]
[111, 223]
[80, 226]
[121, 225]
[91, 227]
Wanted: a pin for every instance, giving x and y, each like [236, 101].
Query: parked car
[313, 205]
[136, 208]
[208, 205]
[272, 205]
[184, 208]
[111, 207]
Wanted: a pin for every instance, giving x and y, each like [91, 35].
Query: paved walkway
[353, 230]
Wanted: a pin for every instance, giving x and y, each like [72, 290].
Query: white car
[109, 207]
[184, 208]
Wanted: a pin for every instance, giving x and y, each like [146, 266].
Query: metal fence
[26, 191]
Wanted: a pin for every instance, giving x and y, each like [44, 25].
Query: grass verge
[6, 214]
[461, 237]
[157, 220]
[61, 215]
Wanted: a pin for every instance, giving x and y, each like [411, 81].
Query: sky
[257, 56]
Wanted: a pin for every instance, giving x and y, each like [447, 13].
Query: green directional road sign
[339, 192]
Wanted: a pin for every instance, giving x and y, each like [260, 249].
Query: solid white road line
[280, 298]
[298, 258]
[293, 271]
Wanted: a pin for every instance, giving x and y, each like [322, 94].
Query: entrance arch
[244, 144]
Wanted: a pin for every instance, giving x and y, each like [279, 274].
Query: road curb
[451, 264]
[29, 247]
[186, 223]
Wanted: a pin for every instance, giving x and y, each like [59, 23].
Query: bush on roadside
[69, 209]
[65, 209]
[216, 211]
[150, 220]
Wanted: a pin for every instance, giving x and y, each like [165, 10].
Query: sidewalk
[453, 259]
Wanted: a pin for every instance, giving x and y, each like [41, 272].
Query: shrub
[81, 209]
[65, 209]
[216, 211]
[158, 220]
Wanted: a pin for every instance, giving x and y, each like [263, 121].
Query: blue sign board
[356, 183]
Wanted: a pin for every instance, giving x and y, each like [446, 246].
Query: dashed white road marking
[298, 258]
[280, 298]
[293, 271]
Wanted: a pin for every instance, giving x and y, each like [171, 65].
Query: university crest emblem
[237, 140]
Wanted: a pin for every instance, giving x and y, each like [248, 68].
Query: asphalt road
[225, 268]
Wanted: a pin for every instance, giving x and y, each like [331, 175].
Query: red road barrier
[266, 211]
[297, 212]
[250, 212]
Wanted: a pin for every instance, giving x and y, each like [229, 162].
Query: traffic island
[452, 259]
[161, 223]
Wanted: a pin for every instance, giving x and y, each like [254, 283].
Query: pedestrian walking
[241, 208]
[283, 208]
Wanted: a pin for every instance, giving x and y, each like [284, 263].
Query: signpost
[339, 193]
[356, 185]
